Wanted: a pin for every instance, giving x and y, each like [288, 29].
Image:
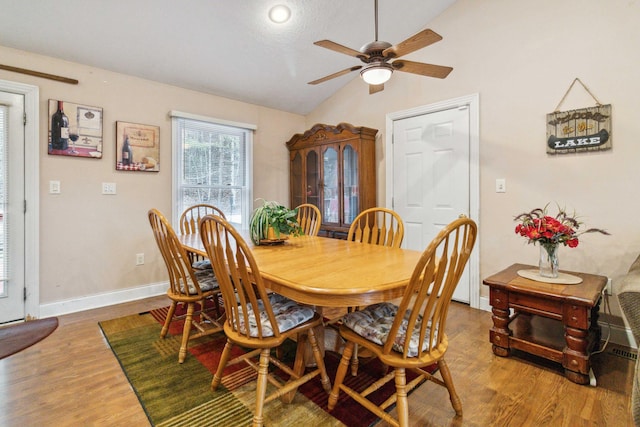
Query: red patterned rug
[237, 380]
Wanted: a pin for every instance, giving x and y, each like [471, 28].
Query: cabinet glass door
[296, 180]
[351, 203]
[331, 212]
[313, 178]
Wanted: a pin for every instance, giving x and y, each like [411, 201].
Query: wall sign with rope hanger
[575, 131]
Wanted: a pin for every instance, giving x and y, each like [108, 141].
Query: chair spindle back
[191, 217]
[377, 226]
[309, 218]
[431, 288]
[176, 259]
[240, 281]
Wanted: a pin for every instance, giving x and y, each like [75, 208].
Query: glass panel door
[351, 190]
[331, 194]
[313, 178]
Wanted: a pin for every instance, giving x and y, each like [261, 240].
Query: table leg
[500, 332]
[575, 358]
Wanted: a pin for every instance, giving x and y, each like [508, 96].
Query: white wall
[521, 57]
[88, 241]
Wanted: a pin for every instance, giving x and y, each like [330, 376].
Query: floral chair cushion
[204, 264]
[206, 279]
[288, 315]
[374, 324]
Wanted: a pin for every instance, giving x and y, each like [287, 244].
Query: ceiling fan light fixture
[377, 74]
[279, 14]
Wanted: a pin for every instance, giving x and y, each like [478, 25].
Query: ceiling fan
[378, 54]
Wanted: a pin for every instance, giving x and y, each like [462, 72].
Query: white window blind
[212, 165]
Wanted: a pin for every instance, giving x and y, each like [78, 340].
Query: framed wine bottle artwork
[137, 147]
[74, 130]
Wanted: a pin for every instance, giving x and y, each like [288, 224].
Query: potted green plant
[272, 221]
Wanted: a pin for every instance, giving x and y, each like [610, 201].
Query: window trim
[176, 156]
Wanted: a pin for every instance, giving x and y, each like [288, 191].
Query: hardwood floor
[72, 379]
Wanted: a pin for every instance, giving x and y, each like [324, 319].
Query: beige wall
[88, 241]
[521, 57]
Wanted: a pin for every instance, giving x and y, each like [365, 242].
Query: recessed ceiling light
[279, 14]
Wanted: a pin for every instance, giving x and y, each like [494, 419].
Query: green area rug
[174, 394]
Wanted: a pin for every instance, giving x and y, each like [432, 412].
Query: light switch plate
[54, 187]
[501, 185]
[108, 188]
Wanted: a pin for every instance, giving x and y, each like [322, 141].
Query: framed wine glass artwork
[74, 130]
[137, 147]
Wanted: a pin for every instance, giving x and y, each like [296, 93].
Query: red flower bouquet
[538, 226]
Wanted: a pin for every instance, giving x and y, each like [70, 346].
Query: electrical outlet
[108, 188]
[608, 287]
[54, 187]
[501, 185]
[139, 259]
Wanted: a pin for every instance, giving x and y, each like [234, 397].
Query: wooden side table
[556, 322]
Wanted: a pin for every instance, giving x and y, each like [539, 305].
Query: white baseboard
[59, 308]
[617, 334]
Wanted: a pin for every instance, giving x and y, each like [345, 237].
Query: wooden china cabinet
[333, 167]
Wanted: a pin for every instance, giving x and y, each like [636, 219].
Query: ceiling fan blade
[375, 88]
[422, 39]
[334, 75]
[328, 44]
[429, 70]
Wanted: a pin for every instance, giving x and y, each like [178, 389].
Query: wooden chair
[191, 217]
[186, 286]
[256, 319]
[189, 220]
[309, 218]
[378, 226]
[411, 335]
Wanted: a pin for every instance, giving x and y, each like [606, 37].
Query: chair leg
[354, 361]
[224, 359]
[402, 405]
[324, 378]
[185, 333]
[261, 388]
[342, 370]
[167, 321]
[354, 356]
[448, 381]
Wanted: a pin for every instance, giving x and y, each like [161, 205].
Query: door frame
[472, 102]
[32, 193]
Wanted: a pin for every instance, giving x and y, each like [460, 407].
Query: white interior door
[12, 199]
[431, 177]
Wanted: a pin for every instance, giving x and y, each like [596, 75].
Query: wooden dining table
[327, 272]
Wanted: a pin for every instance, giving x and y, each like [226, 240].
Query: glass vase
[549, 260]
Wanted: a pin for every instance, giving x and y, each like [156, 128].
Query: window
[212, 164]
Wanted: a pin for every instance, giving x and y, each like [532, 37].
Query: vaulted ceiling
[224, 47]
